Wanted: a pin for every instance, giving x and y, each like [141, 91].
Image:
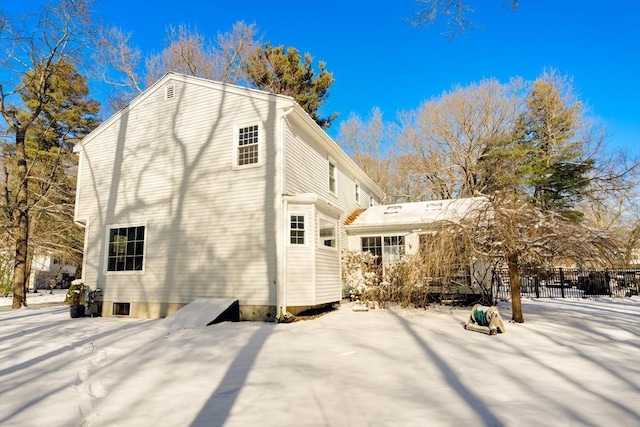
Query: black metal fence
[569, 283]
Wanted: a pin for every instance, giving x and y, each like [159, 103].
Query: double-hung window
[333, 178]
[373, 245]
[327, 234]
[248, 147]
[126, 248]
[393, 250]
[297, 230]
[387, 250]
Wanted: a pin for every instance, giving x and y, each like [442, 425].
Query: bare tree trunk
[21, 225]
[514, 282]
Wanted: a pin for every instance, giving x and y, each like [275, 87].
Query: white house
[47, 269]
[392, 231]
[204, 189]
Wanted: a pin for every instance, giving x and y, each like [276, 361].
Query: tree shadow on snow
[217, 409]
[465, 393]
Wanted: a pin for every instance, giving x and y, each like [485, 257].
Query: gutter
[281, 207]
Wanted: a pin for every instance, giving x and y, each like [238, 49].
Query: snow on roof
[416, 213]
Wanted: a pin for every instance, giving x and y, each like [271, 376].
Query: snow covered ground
[572, 363]
[43, 297]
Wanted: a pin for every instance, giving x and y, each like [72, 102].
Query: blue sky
[380, 60]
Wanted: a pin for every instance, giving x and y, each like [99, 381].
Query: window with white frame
[296, 230]
[387, 250]
[333, 178]
[248, 153]
[393, 250]
[373, 245]
[327, 233]
[371, 201]
[126, 248]
[357, 189]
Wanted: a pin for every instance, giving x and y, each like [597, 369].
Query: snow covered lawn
[574, 362]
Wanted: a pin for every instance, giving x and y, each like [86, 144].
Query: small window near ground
[248, 145]
[327, 233]
[121, 309]
[333, 178]
[297, 230]
[126, 249]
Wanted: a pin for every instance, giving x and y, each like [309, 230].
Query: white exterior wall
[327, 266]
[307, 171]
[300, 272]
[168, 165]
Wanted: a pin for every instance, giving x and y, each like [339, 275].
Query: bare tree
[187, 51]
[456, 12]
[41, 87]
[368, 143]
[118, 63]
[446, 139]
[232, 51]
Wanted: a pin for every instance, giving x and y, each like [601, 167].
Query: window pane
[327, 234]
[248, 145]
[296, 230]
[126, 247]
[373, 245]
[332, 177]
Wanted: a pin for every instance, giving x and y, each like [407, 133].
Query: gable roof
[414, 215]
[287, 102]
[226, 87]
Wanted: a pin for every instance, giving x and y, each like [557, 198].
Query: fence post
[536, 283]
[561, 282]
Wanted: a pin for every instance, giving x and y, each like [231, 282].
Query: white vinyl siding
[300, 265]
[170, 164]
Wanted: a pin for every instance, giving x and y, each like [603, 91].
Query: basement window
[121, 309]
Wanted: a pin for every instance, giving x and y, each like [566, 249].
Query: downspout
[281, 206]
